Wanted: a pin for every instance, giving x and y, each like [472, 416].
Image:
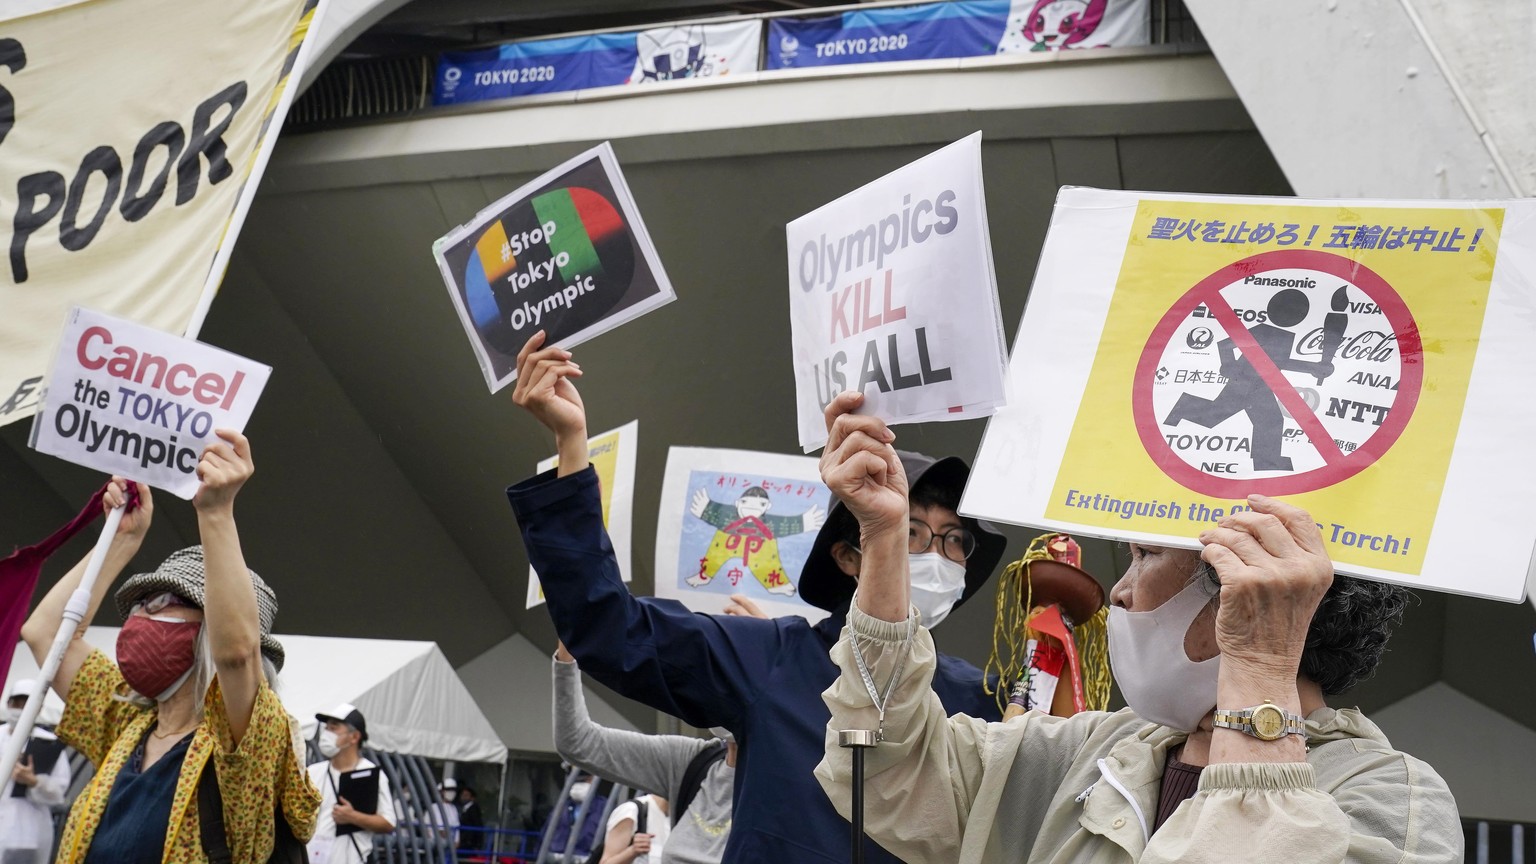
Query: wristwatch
[1266, 722]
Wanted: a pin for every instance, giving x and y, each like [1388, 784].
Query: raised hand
[544, 388]
[135, 523]
[861, 468]
[699, 503]
[224, 467]
[1274, 571]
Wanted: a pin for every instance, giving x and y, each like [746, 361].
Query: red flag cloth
[18, 575]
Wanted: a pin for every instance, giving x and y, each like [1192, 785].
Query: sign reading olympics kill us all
[131, 400]
[1361, 359]
[892, 293]
[566, 254]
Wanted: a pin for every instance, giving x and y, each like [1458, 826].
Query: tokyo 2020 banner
[598, 60]
[966, 29]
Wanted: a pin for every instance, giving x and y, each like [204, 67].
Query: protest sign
[738, 522]
[636, 57]
[970, 28]
[613, 458]
[130, 400]
[892, 292]
[132, 135]
[1356, 358]
[566, 254]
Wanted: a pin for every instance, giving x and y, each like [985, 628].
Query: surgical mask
[579, 791]
[450, 795]
[1146, 652]
[327, 745]
[12, 715]
[937, 584]
[156, 653]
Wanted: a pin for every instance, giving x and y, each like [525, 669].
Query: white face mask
[327, 744]
[12, 715]
[579, 791]
[1146, 652]
[937, 584]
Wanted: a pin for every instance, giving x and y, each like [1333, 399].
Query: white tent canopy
[413, 700]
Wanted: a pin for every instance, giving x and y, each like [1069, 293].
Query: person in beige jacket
[1227, 754]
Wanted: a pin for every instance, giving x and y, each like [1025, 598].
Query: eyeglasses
[956, 544]
[157, 603]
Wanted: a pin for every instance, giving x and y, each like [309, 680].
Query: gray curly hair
[1349, 631]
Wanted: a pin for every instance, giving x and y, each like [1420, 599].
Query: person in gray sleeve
[694, 775]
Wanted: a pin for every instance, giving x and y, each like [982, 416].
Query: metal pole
[74, 613]
[857, 740]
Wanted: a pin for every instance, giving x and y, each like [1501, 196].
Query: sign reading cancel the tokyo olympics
[1363, 360]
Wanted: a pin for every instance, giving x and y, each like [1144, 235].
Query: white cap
[21, 687]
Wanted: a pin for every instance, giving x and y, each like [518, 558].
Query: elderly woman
[1227, 753]
[187, 714]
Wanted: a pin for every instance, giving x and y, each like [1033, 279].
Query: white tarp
[413, 700]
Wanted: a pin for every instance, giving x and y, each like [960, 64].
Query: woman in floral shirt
[191, 692]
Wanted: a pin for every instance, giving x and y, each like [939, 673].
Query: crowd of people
[1226, 658]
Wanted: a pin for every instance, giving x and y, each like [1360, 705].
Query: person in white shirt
[341, 742]
[447, 810]
[39, 781]
[627, 843]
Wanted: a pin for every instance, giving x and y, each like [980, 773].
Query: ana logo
[1200, 338]
[558, 261]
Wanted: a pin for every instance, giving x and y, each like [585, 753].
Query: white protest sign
[566, 253]
[130, 400]
[892, 292]
[738, 522]
[613, 458]
[1359, 359]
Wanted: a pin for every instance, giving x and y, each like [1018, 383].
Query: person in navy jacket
[760, 679]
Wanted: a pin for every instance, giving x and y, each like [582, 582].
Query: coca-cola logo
[1372, 345]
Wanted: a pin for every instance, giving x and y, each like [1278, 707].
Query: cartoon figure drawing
[745, 531]
[1246, 392]
[1050, 25]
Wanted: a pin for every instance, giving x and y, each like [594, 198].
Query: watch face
[1268, 722]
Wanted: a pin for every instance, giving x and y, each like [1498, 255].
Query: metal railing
[392, 88]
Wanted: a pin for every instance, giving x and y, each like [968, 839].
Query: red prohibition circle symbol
[1337, 466]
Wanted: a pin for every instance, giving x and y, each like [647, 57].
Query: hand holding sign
[224, 468]
[544, 388]
[1274, 571]
[860, 466]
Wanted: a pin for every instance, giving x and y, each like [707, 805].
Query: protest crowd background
[414, 638]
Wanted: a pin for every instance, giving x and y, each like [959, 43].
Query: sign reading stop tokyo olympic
[1336, 317]
[566, 253]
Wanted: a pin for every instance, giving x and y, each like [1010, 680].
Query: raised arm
[703, 669]
[40, 627]
[229, 610]
[651, 763]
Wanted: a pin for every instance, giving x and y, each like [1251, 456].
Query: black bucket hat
[824, 585]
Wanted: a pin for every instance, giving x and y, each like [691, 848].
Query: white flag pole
[80, 601]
